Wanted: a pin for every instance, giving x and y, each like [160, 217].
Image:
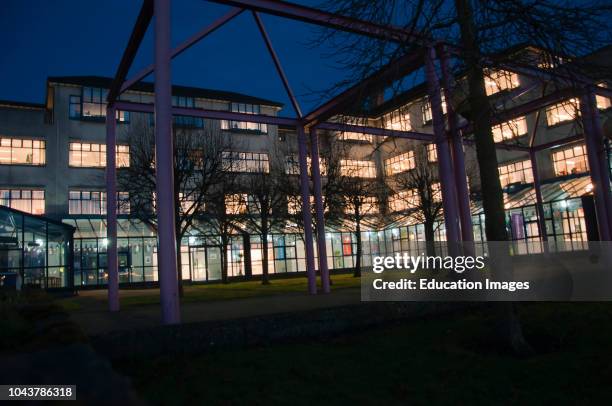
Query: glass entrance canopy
[34, 251]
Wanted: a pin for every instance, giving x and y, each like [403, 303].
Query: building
[52, 159]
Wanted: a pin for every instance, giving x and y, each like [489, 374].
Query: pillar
[538, 194]
[111, 210]
[164, 168]
[458, 156]
[600, 188]
[306, 214]
[320, 210]
[449, 197]
[604, 170]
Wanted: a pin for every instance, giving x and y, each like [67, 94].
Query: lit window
[498, 80]
[245, 162]
[93, 105]
[404, 200]
[367, 205]
[242, 125]
[28, 200]
[436, 192]
[603, 103]
[516, 172]
[432, 153]
[569, 161]
[358, 169]
[399, 163]
[90, 155]
[397, 120]
[510, 129]
[294, 204]
[426, 108]
[15, 151]
[94, 202]
[292, 165]
[562, 112]
[236, 204]
[355, 136]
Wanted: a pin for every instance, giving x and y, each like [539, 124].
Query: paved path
[95, 319]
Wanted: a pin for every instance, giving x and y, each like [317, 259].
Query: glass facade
[35, 252]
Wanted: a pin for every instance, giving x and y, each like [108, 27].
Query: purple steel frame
[111, 212]
[450, 159]
[449, 193]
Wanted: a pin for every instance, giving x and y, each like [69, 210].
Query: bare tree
[197, 169]
[265, 206]
[224, 206]
[418, 193]
[482, 29]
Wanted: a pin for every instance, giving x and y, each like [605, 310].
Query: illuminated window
[432, 153]
[397, 120]
[436, 192]
[245, 162]
[510, 129]
[292, 165]
[294, 204]
[603, 103]
[15, 151]
[399, 163]
[93, 105]
[516, 172]
[358, 169]
[426, 108]
[94, 202]
[367, 205]
[355, 136]
[90, 155]
[404, 200]
[236, 203]
[186, 121]
[562, 112]
[572, 160]
[187, 202]
[28, 200]
[498, 80]
[242, 125]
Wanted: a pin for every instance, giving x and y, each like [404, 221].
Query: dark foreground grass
[452, 361]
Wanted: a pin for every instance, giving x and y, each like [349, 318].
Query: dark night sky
[41, 38]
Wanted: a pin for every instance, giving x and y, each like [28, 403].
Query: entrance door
[198, 263]
[213, 258]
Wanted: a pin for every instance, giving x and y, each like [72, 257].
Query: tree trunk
[357, 272]
[224, 244]
[179, 266]
[492, 197]
[264, 266]
[430, 245]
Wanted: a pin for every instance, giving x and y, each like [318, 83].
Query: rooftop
[177, 90]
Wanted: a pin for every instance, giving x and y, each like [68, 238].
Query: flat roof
[177, 90]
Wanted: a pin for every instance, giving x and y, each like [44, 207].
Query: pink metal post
[538, 194]
[307, 216]
[463, 196]
[316, 183]
[601, 151]
[111, 211]
[164, 167]
[449, 197]
[593, 156]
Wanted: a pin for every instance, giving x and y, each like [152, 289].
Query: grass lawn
[208, 292]
[453, 361]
